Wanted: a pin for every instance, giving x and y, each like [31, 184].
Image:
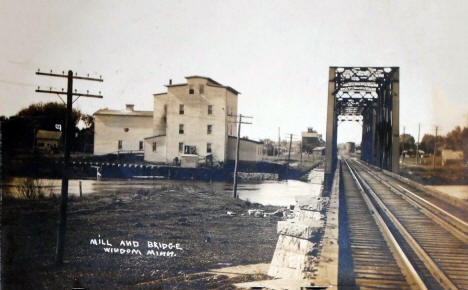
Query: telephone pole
[67, 142]
[289, 154]
[236, 163]
[403, 141]
[417, 145]
[279, 143]
[435, 147]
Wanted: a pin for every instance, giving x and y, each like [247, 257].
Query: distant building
[197, 119]
[124, 131]
[47, 140]
[250, 150]
[452, 157]
[350, 147]
[318, 152]
[311, 139]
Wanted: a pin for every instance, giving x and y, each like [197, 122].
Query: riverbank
[450, 175]
[212, 230]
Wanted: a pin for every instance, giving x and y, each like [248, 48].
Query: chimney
[129, 107]
[170, 81]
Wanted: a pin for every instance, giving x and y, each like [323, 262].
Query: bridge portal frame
[381, 143]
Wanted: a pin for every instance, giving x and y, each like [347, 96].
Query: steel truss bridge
[369, 95]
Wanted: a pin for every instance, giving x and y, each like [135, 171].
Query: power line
[66, 170]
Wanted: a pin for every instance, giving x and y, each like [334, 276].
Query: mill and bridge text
[131, 247]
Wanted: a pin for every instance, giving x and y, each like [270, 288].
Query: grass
[192, 214]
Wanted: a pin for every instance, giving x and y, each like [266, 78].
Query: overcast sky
[276, 53]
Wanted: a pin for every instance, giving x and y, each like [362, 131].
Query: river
[278, 193]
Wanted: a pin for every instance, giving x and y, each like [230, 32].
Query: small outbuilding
[47, 140]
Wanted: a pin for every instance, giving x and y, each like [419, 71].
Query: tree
[427, 143]
[454, 139]
[46, 115]
[20, 129]
[407, 142]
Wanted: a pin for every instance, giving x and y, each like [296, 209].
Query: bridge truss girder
[369, 95]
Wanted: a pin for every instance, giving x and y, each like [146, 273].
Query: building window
[154, 146]
[201, 89]
[210, 109]
[209, 129]
[190, 149]
[191, 90]
[181, 128]
[181, 109]
[181, 147]
[119, 145]
[126, 129]
[140, 145]
[208, 147]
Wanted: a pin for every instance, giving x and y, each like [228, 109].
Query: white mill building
[189, 122]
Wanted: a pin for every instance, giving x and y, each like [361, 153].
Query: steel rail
[430, 264]
[408, 269]
[453, 224]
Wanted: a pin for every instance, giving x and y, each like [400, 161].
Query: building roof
[155, 136]
[202, 77]
[246, 139]
[211, 83]
[124, 113]
[50, 135]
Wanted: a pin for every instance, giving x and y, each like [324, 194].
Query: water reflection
[278, 193]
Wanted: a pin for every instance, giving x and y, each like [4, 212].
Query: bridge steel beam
[396, 120]
[331, 136]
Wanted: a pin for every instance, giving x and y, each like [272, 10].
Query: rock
[302, 230]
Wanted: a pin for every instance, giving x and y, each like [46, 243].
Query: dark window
[201, 89]
[181, 147]
[190, 149]
[208, 147]
[181, 109]
[140, 145]
[154, 146]
[210, 109]
[119, 145]
[209, 129]
[191, 90]
[181, 128]
[126, 129]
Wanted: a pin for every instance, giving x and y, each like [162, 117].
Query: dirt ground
[194, 215]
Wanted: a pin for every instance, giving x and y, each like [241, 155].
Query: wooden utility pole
[236, 162]
[417, 144]
[403, 141]
[279, 143]
[301, 152]
[289, 155]
[435, 147]
[67, 143]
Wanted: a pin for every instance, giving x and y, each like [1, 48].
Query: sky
[276, 53]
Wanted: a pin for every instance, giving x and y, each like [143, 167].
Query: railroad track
[428, 245]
